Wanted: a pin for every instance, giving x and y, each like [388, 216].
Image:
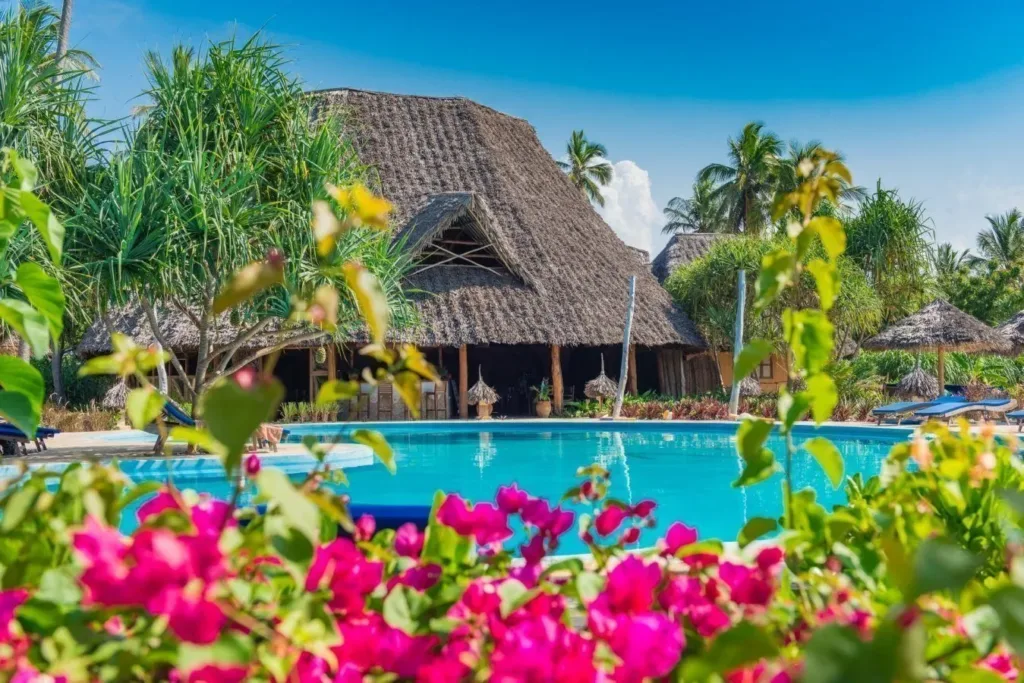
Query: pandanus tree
[44, 89]
[586, 166]
[220, 171]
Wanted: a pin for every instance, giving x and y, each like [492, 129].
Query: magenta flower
[679, 536]
[630, 586]
[418, 577]
[533, 551]
[511, 499]
[747, 585]
[10, 600]
[484, 522]
[157, 504]
[643, 509]
[252, 465]
[630, 535]
[216, 673]
[340, 567]
[769, 557]
[365, 526]
[609, 519]
[1001, 663]
[542, 649]
[408, 540]
[649, 646]
[194, 619]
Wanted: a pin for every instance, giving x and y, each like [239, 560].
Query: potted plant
[543, 393]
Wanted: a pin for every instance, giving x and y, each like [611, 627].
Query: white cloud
[629, 207]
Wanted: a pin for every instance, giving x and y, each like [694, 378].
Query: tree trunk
[65, 29]
[56, 369]
[557, 389]
[24, 351]
[624, 365]
[737, 342]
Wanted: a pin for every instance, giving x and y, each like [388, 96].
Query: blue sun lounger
[989, 406]
[175, 415]
[13, 439]
[904, 409]
[1017, 415]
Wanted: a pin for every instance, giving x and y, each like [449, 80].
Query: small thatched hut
[1013, 330]
[918, 384]
[940, 326]
[512, 267]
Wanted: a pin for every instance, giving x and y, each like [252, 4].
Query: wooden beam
[632, 370]
[463, 382]
[662, 384]
[557, 390]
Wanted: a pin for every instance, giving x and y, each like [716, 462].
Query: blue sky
[926, 96]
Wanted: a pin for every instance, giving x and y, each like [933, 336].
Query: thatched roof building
[683, 248]
[510, 252]
[1013, 330]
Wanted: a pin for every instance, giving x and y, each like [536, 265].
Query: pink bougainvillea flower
[216, 673]
[649, 646]
[408, 540]
[340, 567]
[162, 501]
[630, 586]
[210, 516]
[747, 585]
[769, 557]
[679, 536]
[511, 499]
[10, 600]
[609, 519]
[643, 509]
[366, 525]
[630, 535]
[1001, 663]
[533, 550]
[190, 615]
[542, 649]
[419, 577]
[454, 513]
[252, 465]
[369, 642]
[484, 522]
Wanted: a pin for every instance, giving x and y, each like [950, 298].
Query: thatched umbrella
[115, 396]
[1013, 330]
[918, 384]
[482, 394]
[601, 387]
[940, 326]
[750, 387]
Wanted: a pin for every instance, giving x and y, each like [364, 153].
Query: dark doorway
[293, 370]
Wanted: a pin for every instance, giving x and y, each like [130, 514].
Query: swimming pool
[686, 467]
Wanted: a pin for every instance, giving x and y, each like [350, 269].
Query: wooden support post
[557, 390]
[662, 384]
[463, 382]
[632, 370]
[942, 371]
[332, 362]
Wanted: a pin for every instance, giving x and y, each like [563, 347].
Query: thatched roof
[940, 323]
[481, 392]
[750, 387]
[565, 273]
[601, 386]
[683, 248]
[1013, 330]
[918, 384]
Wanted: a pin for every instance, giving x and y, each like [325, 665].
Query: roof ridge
[442, 98]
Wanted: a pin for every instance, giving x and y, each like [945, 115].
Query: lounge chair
[175, 415]
[1017, 415]
[13, 439]
[904, 409]
[989, 406]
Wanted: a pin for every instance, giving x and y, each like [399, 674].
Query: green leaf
[441, 544]
[26, 171]
[46, 223]
[760, 461]
[17, 506]
[143, 406]
[44, 293]
[59, 586]
[589, 585]
[1013, 498]
[832, 655]
[751, 356]
[1008, 602]
[231, 648]
[739, 646]
[826, 279]
[380, 446]
[300, 512]
[755, 529]
[247, 283]
[232, 413]
[821, 395]
[18, 376]
[831, 233]
[21, 411]
[29, 323]
[403, 608]
[513, 595]
[792, 407]
[198, 437]
[776, 274]
[975, 674]
[941, 565]
[829, 457]
[809, 332]
[336, 390]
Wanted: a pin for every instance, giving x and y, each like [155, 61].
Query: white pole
[624, 366]
[737, 343]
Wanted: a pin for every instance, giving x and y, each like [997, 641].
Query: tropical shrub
[79, 392]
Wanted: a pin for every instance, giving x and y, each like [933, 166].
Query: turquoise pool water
[686, 468]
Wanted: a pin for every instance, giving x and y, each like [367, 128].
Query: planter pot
[483, 411]
[543, 408]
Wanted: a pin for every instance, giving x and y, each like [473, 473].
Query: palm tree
[947, 261]
[65, 29]
[747, 187]
[1002, 243]
[587, 167]
[850, 196]
[703, 212]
